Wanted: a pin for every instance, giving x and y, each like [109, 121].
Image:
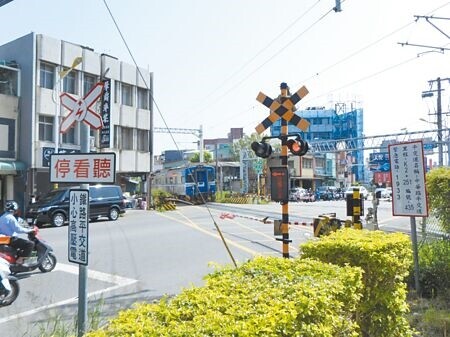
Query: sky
[211, 58]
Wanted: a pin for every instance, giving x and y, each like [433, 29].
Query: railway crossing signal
[283, 107]
[297, 146]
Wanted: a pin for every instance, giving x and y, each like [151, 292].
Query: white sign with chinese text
[78, 226]
[82, 168]
[409, 196]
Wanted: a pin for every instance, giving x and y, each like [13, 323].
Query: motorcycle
[9, 286]
[42, 255]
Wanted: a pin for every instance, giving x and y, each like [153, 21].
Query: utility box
[277, 228]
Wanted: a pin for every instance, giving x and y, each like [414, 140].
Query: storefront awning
[11, 167]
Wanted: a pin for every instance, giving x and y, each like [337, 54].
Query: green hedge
[263, 297]
[434, 264]
[385, 259]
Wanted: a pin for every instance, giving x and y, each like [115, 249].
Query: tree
[196, 157]
[244, 144]
[438, 188]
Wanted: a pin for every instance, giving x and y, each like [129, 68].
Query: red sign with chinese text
[382, 178]
[83, 168]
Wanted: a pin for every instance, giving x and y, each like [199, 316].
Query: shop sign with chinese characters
[409, 196]
[78, 226]
[83, 168]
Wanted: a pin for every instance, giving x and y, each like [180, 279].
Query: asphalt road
[147, 254]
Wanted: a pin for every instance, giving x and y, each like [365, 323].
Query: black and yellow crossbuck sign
[284, 109]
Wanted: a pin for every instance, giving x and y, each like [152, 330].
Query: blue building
[333, 124]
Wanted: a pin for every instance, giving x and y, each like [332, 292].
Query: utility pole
[429, 93]
[439, 122]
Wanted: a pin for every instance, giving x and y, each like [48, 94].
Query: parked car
[296, 193]
[53, 208]
[362, 190]
[384, 193]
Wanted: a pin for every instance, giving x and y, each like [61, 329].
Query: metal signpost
[83, 168]
[409, 196]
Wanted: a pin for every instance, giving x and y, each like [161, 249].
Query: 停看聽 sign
[83, 168]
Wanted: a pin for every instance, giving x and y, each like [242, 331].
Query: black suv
[53, 208]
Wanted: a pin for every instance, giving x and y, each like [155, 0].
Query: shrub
[385, 260]
[159, 198]
[438, 189]
[264, 297]
[434, 266]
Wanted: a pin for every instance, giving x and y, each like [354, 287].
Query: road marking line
[193, 225]
[97, 275]
[118, 282]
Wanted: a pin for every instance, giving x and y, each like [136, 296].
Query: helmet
[284, 85]
[11, 206]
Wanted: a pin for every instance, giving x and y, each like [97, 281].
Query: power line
[277, 53]
[358, 51]
[261, 50]
[165, 123]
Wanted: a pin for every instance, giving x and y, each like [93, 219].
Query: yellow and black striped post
[356, 209]
[284, 162]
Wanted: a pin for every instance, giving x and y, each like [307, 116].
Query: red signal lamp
[298, 147]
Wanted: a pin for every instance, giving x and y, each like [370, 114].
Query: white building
[32, 115]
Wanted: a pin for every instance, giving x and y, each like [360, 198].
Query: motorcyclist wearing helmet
[9, 226]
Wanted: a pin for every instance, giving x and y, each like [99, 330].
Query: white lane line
[118, 282]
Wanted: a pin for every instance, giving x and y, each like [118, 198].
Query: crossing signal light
[262, 149]
[298, 147]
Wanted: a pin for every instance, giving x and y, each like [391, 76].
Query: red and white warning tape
[264, 220]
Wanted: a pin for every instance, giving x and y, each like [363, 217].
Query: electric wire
[357, 52]
[365, 78]
[277, 53]
[249, 61]
[171, 135]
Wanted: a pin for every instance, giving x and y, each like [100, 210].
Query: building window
[70, 82]
[47, 75]
[142, 98]
[127, 138]
[320, 162]
[45, 128]
[127, 94]
[142, 140]
[69, 136]
[9, 81]
[306, 163]
[88, 83]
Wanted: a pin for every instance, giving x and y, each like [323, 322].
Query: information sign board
[78, 232]
[83, 168]
[408, 179]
